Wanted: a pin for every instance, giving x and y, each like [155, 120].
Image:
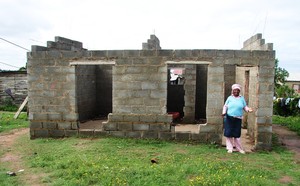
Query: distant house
[294, 84]
[13, 85]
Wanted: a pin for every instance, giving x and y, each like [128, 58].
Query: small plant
[293, 123]
[8, 105]
[7, 121]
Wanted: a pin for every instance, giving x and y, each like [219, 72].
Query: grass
[114, 161]
[7, 121]
[293, 123]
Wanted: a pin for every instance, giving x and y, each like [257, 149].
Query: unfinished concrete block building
[137, 92]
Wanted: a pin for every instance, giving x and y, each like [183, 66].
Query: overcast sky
[126, 24]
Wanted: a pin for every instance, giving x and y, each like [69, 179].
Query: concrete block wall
[190, 94]
[86, 91]
[262, 91]
[256, 42]
[52, 89]
[16, 81]
[139, 91]
[152, 44]
[104, 90]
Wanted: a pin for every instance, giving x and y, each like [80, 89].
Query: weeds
[7, 122]
[293, 123]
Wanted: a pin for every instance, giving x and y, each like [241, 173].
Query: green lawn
[7, 121]
[113, 161]
[291, 122]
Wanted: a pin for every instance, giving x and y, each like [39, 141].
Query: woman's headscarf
[235, 86]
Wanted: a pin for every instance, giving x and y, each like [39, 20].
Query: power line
[9, 65]
[14, 44]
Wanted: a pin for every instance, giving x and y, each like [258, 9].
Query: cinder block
[49, 125]
[134, 134]
[98, 53]
[36, 125]
[165, 53]
[71, 133]
[182, 136]
[115, 117]
[140, 127]
[201, 137]
[115, 53]
[214, 138]
[125, 126]
[38, 116]
[70, 117]
[75, 125]
[207, 53]
[66, 126]
[41, 133]
[86, 132]
[149, 86]
[100, 133]
[149, 135]
[182, 53]
[132, 118]
[131, 53]
[148, 118]
[164, 118]
[264, 129]
[109, 126]
[54, 117]
[57, 133]
[166, 135]
[117, 133]
[160, 127]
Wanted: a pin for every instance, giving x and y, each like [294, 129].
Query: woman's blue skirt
[232, 127]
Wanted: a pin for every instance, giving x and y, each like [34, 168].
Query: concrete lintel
[98, 62]
[189, 62]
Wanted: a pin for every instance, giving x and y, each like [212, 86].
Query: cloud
[119, 24]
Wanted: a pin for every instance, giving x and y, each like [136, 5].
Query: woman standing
[233, 111]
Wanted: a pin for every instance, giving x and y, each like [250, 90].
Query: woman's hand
[250, 110]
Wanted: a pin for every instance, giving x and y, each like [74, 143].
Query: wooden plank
[21, 107]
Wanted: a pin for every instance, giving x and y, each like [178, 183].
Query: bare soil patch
[14, 158]
[288, 139]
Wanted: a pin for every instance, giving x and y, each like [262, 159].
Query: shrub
[8, 105]
[290, 109]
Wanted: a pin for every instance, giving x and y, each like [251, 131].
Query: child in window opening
[233, 113]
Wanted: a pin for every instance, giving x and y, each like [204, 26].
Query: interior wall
[247, 77]
[201, 92]
[229, 79]
[86, 91]
[103, 90]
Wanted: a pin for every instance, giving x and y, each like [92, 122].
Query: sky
[126, 24]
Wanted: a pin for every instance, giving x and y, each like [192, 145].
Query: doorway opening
[93, 94]
[187, 91]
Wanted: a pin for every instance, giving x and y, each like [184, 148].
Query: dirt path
[14, 158]
[289, 139]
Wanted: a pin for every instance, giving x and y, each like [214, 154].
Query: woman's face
[236, 92]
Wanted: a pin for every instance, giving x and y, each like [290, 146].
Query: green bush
[8, 105]
[291, 109]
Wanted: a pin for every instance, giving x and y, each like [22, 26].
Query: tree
[283, 91]
[281, 75]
